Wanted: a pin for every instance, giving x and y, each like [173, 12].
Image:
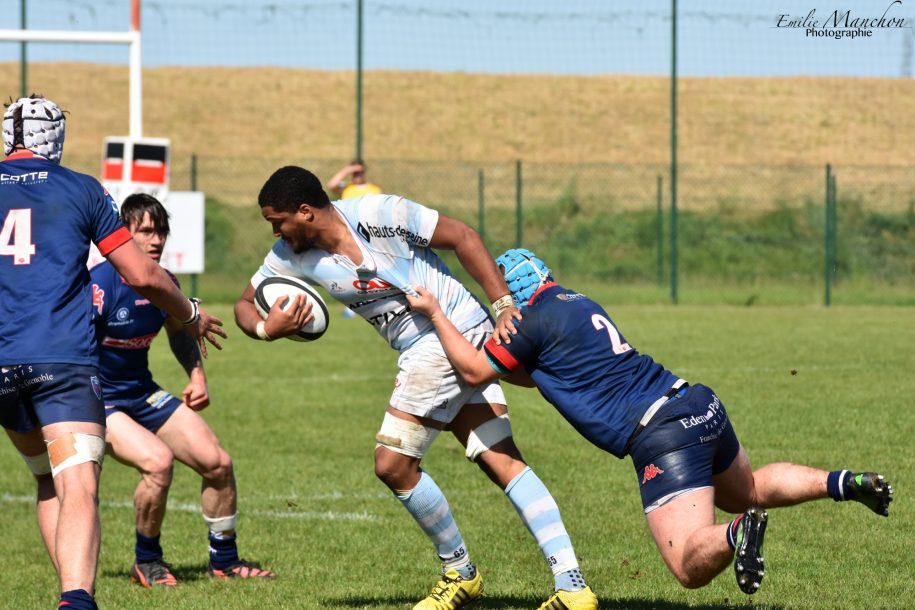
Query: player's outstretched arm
[281, 321]
[452, 234]
[472, 364]
[196, 395]
[145, 276]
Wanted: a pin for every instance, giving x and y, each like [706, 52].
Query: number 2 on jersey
[16, 236]
[602, 323]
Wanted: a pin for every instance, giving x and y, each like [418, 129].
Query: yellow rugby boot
[453, 591]
[571, 600]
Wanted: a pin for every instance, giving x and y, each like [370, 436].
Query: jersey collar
[539, 290]
[23, 154]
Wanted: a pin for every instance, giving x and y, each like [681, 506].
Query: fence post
[23, 58]
[518, 212]
[827, 240]
[481, 210]
[833, 230]
[194, 188]
[674, 270]
[660, 231]
[359, 12]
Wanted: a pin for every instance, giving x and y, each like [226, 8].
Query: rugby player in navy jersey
[148, 428]
[686, 455]
[50, 395]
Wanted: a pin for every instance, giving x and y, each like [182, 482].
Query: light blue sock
[540, 514]
[428, 505]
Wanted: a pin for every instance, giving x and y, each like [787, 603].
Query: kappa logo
[651, 471]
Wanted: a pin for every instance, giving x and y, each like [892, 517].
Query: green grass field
[299, 421]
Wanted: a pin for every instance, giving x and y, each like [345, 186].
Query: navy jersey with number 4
[48, 216]
[582, 365]
[127, 323]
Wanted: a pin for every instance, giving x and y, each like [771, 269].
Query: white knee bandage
[220, 525]
[405, 437]
[75, 448]
[40, 464]
[483, 437]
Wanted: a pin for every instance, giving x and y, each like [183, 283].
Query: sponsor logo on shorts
[651, 471]
[714, 408]
[96, 386]
[18, 378]
[158, 399]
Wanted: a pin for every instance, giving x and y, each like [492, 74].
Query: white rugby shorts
[428, 386]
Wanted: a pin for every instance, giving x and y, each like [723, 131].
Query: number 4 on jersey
[16, 236]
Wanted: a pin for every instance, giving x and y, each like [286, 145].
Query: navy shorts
[150, 410]
[35, 395]
[689, 440]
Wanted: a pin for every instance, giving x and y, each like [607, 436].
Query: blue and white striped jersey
[393, 234]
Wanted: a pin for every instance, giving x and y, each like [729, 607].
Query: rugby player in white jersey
[368, 252]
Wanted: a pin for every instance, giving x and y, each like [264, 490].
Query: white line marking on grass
[326, 515]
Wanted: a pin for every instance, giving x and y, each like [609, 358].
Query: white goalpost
[131, 38]
[134, 163]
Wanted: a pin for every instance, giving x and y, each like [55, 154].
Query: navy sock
[223, 551]
[77, 599]
[732, 532]
[147, 548]
[837, 485]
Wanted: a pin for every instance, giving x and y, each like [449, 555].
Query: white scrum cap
[42, 123]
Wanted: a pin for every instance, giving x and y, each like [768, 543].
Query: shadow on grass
[186, 572]
[509, 601]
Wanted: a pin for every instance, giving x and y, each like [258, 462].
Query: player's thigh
[673, 523]
[471, 416]
[28, 443]
[192, 440]
[735, 489]
[132, 444]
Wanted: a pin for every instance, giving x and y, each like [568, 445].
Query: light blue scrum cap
[524, 273]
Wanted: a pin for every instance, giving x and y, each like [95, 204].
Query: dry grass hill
[452, 116]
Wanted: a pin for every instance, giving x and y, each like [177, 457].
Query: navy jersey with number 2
[582, 365]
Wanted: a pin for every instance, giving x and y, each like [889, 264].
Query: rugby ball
[278, 286]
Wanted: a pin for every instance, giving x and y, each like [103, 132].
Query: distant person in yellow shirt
[350, 182]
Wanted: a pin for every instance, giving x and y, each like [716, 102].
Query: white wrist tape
[261, 331]
[502, 303]
[195, 312]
